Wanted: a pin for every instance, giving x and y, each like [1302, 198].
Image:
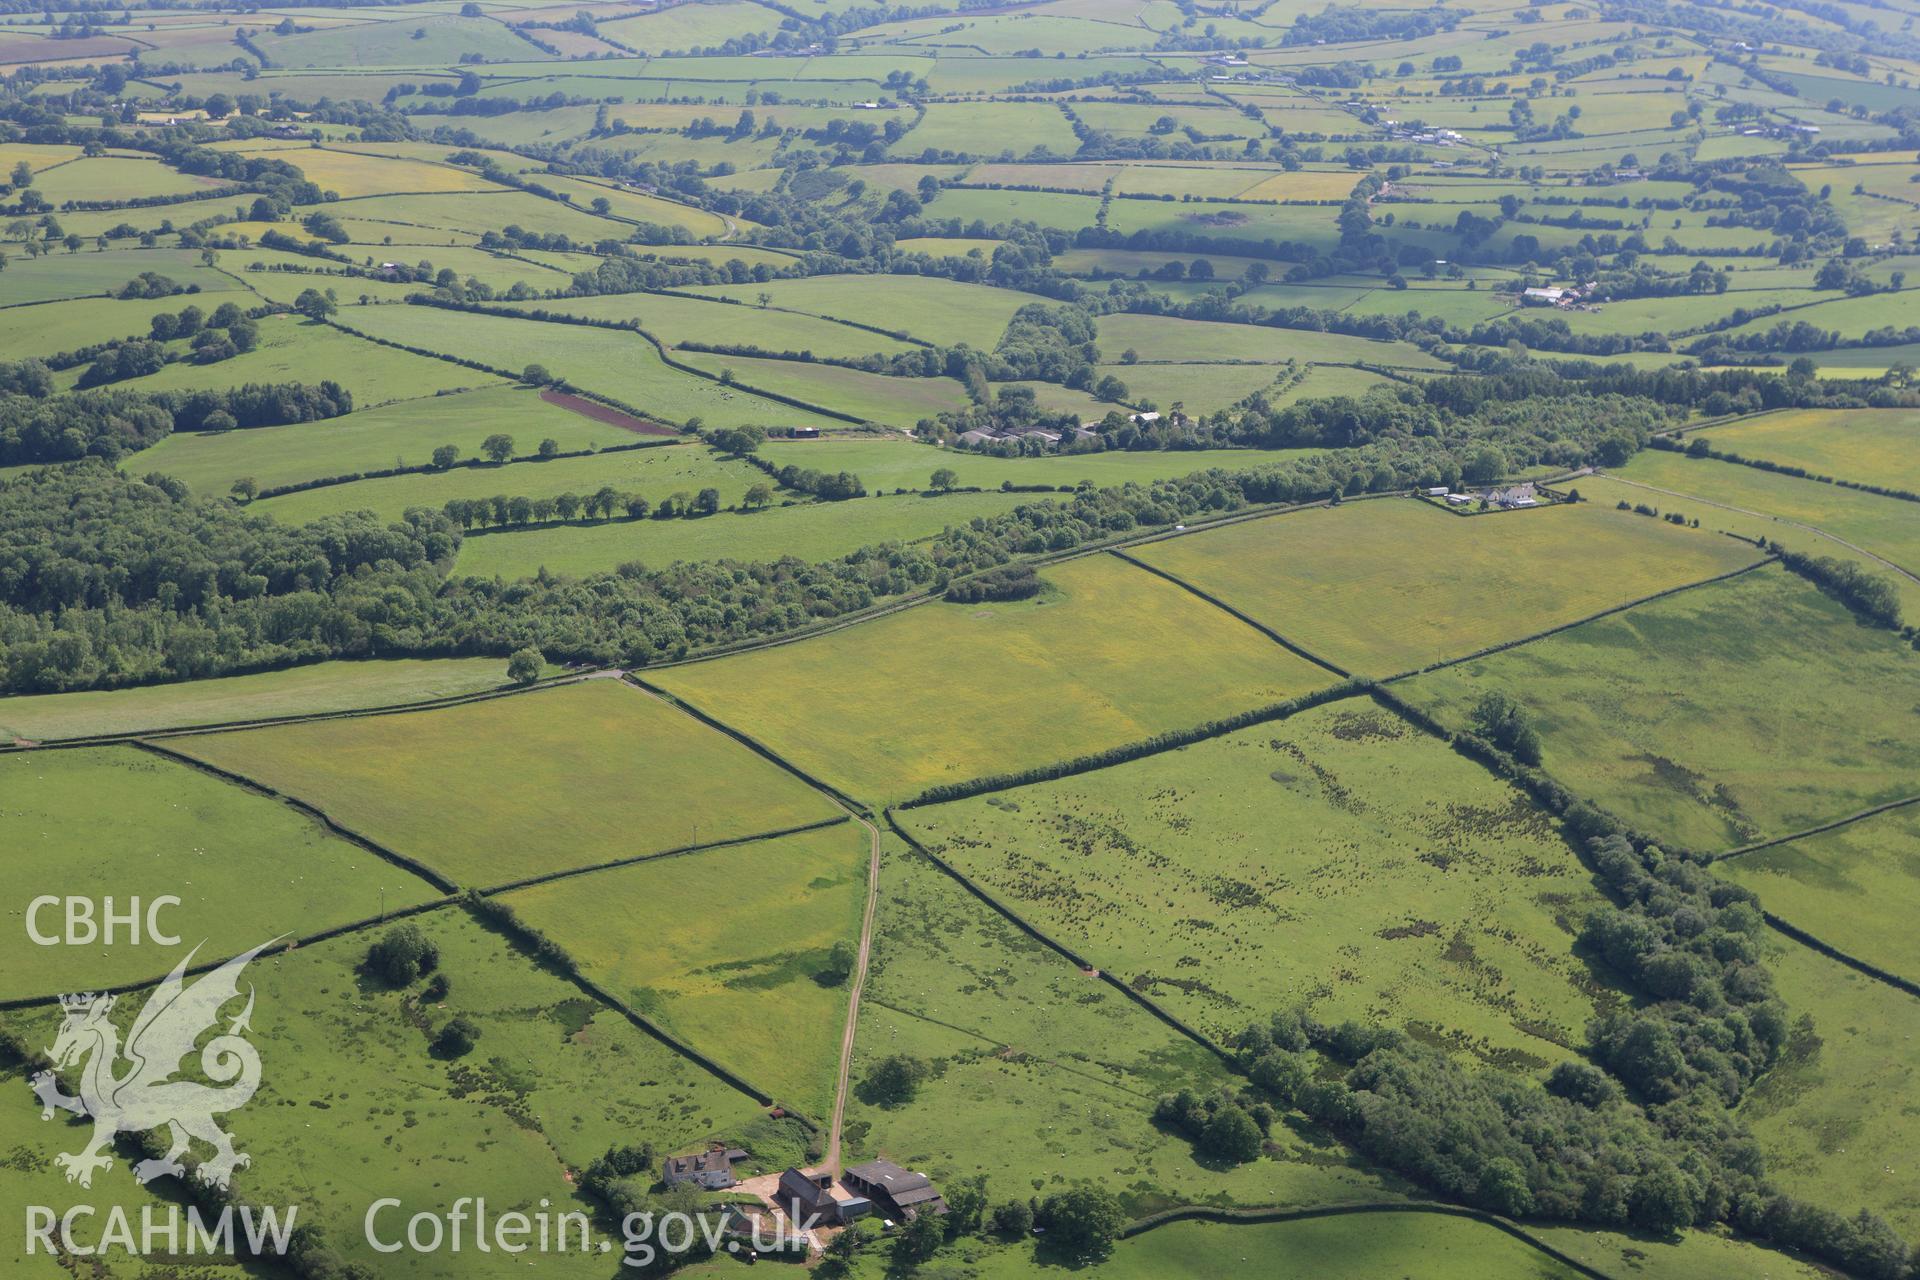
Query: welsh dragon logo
[134, 1089]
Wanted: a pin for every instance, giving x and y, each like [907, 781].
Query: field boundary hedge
[1831, 952]
[1821, 829]
[1232, 1216]
[679, 851]
[1299, 651]
[1033, 931]
[297, 717]
[465, 464]
[1504, 645]
[401, 860]
[751, 743]
[1171, 740]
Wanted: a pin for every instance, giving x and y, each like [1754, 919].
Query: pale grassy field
[498, 791]
[946, 693]
[1386, 586]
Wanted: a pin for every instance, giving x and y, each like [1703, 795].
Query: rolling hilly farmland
[1126, 638]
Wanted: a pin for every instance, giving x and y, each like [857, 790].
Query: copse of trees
[401, 955]
[1571, 1148]
[110, 424]
[109, 580]
[1008, 582]
[1503, 722]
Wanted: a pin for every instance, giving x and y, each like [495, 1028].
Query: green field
[1609, 491]
[1400, 908]
[869, 398]
[1388, 586]
[906, 464]
[296, 350]
[498, 791]
[888, 708]
[741, 973]
[810, 531]
[1799, 509]
[1845, 887]
[1866, 446]
[654, 474]
[1200, 341]
[622, 365]
[677, 319]
[1359, 1247]
[1832, 1117]
[941, 311]
[244, 867]
[319, 687]
[1720, 716]
[403, 434]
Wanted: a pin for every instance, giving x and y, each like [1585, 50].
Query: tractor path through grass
[858, 983]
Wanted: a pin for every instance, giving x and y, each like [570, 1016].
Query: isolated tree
[707, 501]
[840, 961]
[22, 176]
[457, 1038]
[445, 456]
[401, 955]
[498, 447]
[759, 494]
[536, 375]
[895, 1080]
[525, 665]
[547, 448]
[313, 304]
[943, 479]
[244, 488]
